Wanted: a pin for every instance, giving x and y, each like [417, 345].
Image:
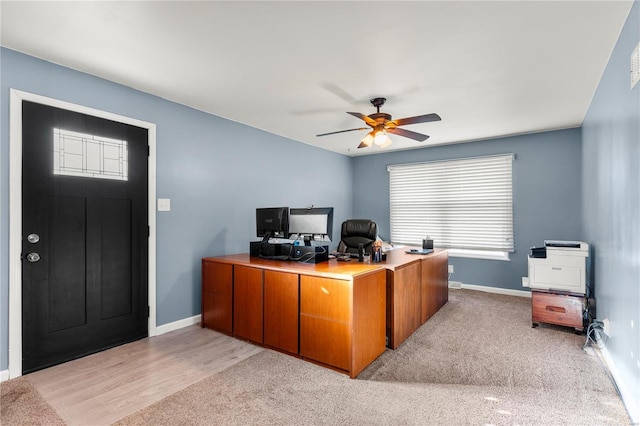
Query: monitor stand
[307, 240]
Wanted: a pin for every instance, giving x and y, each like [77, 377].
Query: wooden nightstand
[558, 307]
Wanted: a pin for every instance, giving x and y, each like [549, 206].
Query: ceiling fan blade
[369, 121]
[408, 134]
[341, 93]
[418, 119]
[342, 131]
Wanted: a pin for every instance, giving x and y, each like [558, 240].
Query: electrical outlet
[606, 327]
[455, 284]
[451, 269]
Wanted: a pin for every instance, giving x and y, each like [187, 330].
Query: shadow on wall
[218, 245]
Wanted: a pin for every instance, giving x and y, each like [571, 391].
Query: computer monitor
[272, 222]
[309, 223]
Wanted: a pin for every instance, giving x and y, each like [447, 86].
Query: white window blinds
[461, 204]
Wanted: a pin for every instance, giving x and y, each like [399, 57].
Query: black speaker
[254, 248]
[279, 251]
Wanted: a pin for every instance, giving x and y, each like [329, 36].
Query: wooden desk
[331, 313]
[417, 287]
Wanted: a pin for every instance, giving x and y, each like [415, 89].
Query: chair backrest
[355, 232]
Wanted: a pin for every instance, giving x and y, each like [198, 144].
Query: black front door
[84, 235]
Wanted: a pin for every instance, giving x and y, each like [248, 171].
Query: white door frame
[16, 98]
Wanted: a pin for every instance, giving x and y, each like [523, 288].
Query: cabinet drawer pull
[556, 268]
[557, 309]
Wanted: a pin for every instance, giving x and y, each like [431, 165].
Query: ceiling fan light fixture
[381, 123]
[381, 138]
[386, 143]
[367, 141]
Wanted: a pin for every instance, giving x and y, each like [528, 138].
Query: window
[81, 154]
[465, 205]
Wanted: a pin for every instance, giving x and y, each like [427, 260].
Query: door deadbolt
[33, 257]
[33, 238]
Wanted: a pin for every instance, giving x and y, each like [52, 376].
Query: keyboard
[340, 255]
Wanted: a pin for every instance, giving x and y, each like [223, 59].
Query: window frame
[445, 189]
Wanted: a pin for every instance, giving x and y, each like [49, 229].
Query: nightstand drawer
[557, 308]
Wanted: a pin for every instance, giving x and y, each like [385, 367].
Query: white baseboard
[185, 322]
[4, 375]
[485, 288]
[627, 397]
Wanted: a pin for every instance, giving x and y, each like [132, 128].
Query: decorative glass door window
[81, 154]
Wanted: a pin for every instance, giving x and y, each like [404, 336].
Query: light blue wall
[546, 196]
[216, 172]
[611, 205]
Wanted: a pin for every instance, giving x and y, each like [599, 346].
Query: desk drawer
[325, 298]
[328, 342]
[560, 309]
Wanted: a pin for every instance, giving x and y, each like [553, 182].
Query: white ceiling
[489, 69]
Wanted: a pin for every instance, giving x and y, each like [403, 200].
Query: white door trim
[15, 213]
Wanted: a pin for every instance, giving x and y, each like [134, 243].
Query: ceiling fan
[381, 124]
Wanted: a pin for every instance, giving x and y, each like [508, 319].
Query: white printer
[564, 267]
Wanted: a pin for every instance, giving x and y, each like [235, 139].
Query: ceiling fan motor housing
[380, 117]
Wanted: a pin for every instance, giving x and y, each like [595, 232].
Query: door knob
[33, 238]
[33, 257]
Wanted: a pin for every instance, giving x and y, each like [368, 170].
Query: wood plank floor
[102, 388]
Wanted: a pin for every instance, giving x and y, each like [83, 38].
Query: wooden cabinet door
[325, 314]
[281, 311]
[435, 284]
[217, 296]
[247, 303]
[368, 320]
[428, 290]
[405, 303]
[443, 285]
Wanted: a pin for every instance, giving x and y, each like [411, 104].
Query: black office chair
[355, 232]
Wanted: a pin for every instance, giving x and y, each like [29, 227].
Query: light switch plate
[164, 204]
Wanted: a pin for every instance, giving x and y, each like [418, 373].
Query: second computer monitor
[311, 223]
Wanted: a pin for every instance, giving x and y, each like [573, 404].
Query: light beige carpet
[21, 404]
[477, 361]
[486, 339]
